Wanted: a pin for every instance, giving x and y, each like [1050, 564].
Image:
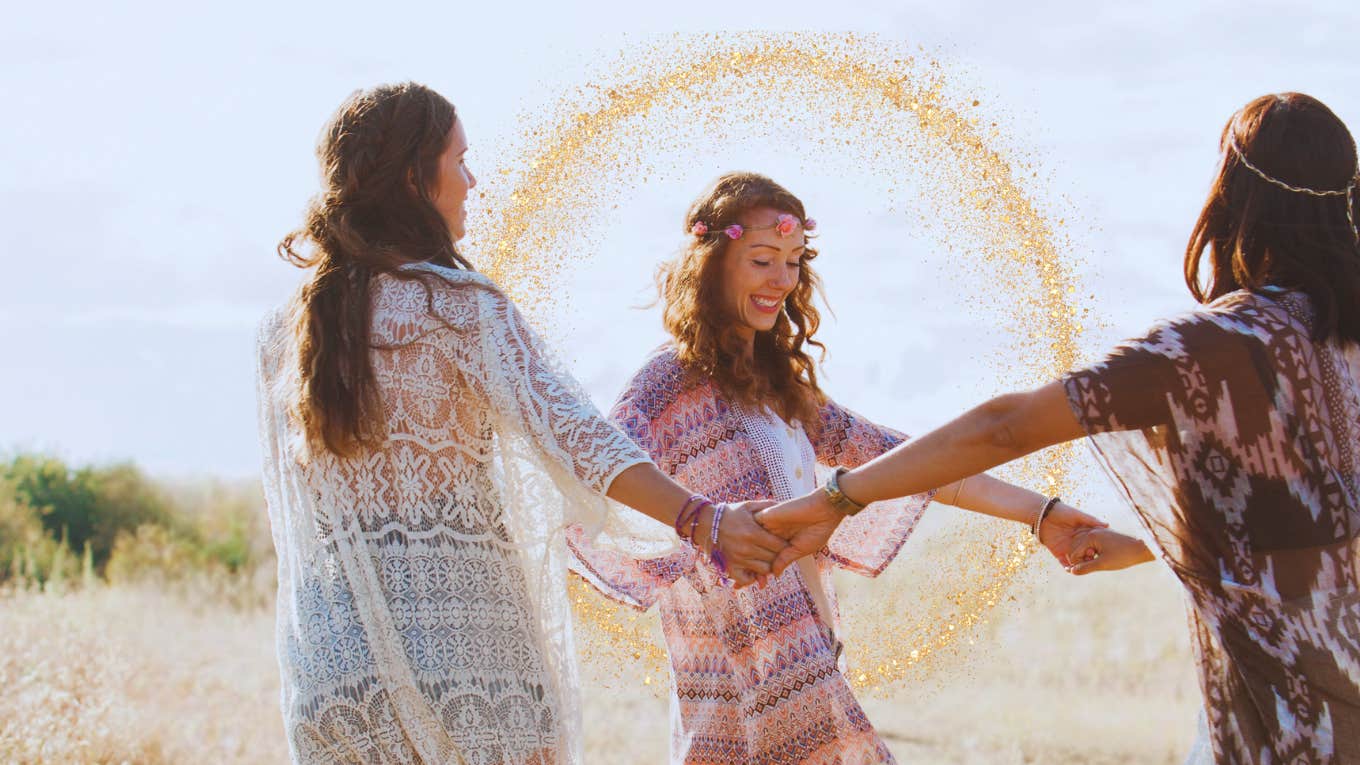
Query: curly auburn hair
[780, 373]
[379, 161]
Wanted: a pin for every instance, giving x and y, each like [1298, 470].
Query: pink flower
[785, 224]
[809, 225]
[699, 228]
[734, 231]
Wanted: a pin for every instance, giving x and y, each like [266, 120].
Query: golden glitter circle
[876, 109]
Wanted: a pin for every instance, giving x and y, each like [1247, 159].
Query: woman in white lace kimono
[422, 457]
[1234, 432]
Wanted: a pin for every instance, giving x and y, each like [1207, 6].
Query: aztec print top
[756, 676]
[1235, 435]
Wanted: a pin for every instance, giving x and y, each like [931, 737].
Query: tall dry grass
[1091, 670]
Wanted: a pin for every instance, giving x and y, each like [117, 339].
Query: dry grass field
[1091, 670]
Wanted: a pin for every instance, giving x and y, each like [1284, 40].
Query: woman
[422, 457]
[1234, 430]
[732, 407]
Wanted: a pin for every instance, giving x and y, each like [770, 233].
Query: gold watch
[842, 503]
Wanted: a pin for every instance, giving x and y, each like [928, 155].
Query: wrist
[841, 501]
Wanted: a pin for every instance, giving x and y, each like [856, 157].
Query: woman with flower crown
[1234, 431]
[731, 407]
[423, 456]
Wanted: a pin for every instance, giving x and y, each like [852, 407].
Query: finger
[768, 543]
[753, 562]
[761, 518]
[740, 578]
[762, 538]
[782, 561]
[1087, 567]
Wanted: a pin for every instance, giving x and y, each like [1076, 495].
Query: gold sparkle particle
[873, 108]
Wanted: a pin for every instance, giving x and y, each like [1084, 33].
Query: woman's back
[1235, 434]
[413, 617]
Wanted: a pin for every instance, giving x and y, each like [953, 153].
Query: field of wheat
[1074, 670]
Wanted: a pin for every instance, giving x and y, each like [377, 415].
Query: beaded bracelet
[684, 509]
[715, 555]
[1038, 522]
[694, 525]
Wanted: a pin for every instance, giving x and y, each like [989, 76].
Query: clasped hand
[808, 522]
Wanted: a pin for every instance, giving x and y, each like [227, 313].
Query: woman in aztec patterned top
[1234, 432]
[731, 407]
[423, 456]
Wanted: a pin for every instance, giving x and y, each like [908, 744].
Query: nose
[472, 179]
[786, 279]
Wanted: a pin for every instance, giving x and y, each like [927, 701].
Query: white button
[798, 473]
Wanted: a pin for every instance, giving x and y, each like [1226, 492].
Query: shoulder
[425, 297]
[1244, 315]
[661, 382]
[273, 338]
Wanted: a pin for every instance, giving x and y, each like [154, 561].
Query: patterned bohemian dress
[1235, 435]
[422, 609]
[756, 672]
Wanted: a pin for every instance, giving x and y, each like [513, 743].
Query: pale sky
[153, 155]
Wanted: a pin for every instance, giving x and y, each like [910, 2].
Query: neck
[748, 342]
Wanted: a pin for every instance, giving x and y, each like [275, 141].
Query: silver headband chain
[1347, 192]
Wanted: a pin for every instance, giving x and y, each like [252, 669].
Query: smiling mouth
[766, 305]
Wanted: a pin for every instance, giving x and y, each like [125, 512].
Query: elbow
[1003, 427]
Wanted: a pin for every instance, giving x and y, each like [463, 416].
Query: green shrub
[128, 526]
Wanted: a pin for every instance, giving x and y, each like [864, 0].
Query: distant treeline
[61, 525]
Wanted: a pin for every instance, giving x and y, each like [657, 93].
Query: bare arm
[748, 547]
[999, 499]
[1006, 428]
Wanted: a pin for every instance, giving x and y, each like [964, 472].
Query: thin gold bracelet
[958, 490]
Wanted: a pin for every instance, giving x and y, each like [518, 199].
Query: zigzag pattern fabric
[756, 673]
[1235, 435]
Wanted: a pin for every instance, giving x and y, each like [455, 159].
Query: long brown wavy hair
[379, 159]
[780, 373]
[1259, 234]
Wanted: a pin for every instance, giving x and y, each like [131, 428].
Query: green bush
[89, 506]
[125, 525]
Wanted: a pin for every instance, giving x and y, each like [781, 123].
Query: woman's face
[760, 270]
[453, 182]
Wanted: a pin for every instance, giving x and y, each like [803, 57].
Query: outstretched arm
[526, 386]
[999, 499]
[1001, 430]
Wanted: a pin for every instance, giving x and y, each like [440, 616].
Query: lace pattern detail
[421, 608]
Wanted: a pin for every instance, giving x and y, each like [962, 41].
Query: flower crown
[784, 225]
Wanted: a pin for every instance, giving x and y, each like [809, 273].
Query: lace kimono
[422, 611]
[1235, 436]
[756, 673]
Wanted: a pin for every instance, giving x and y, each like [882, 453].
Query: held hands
[1061, 529]
[748, 549]
[1105, 550]
[807, 522]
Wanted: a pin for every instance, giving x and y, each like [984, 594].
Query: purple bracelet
[684, 509]
[715, 555]
[698, 516]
